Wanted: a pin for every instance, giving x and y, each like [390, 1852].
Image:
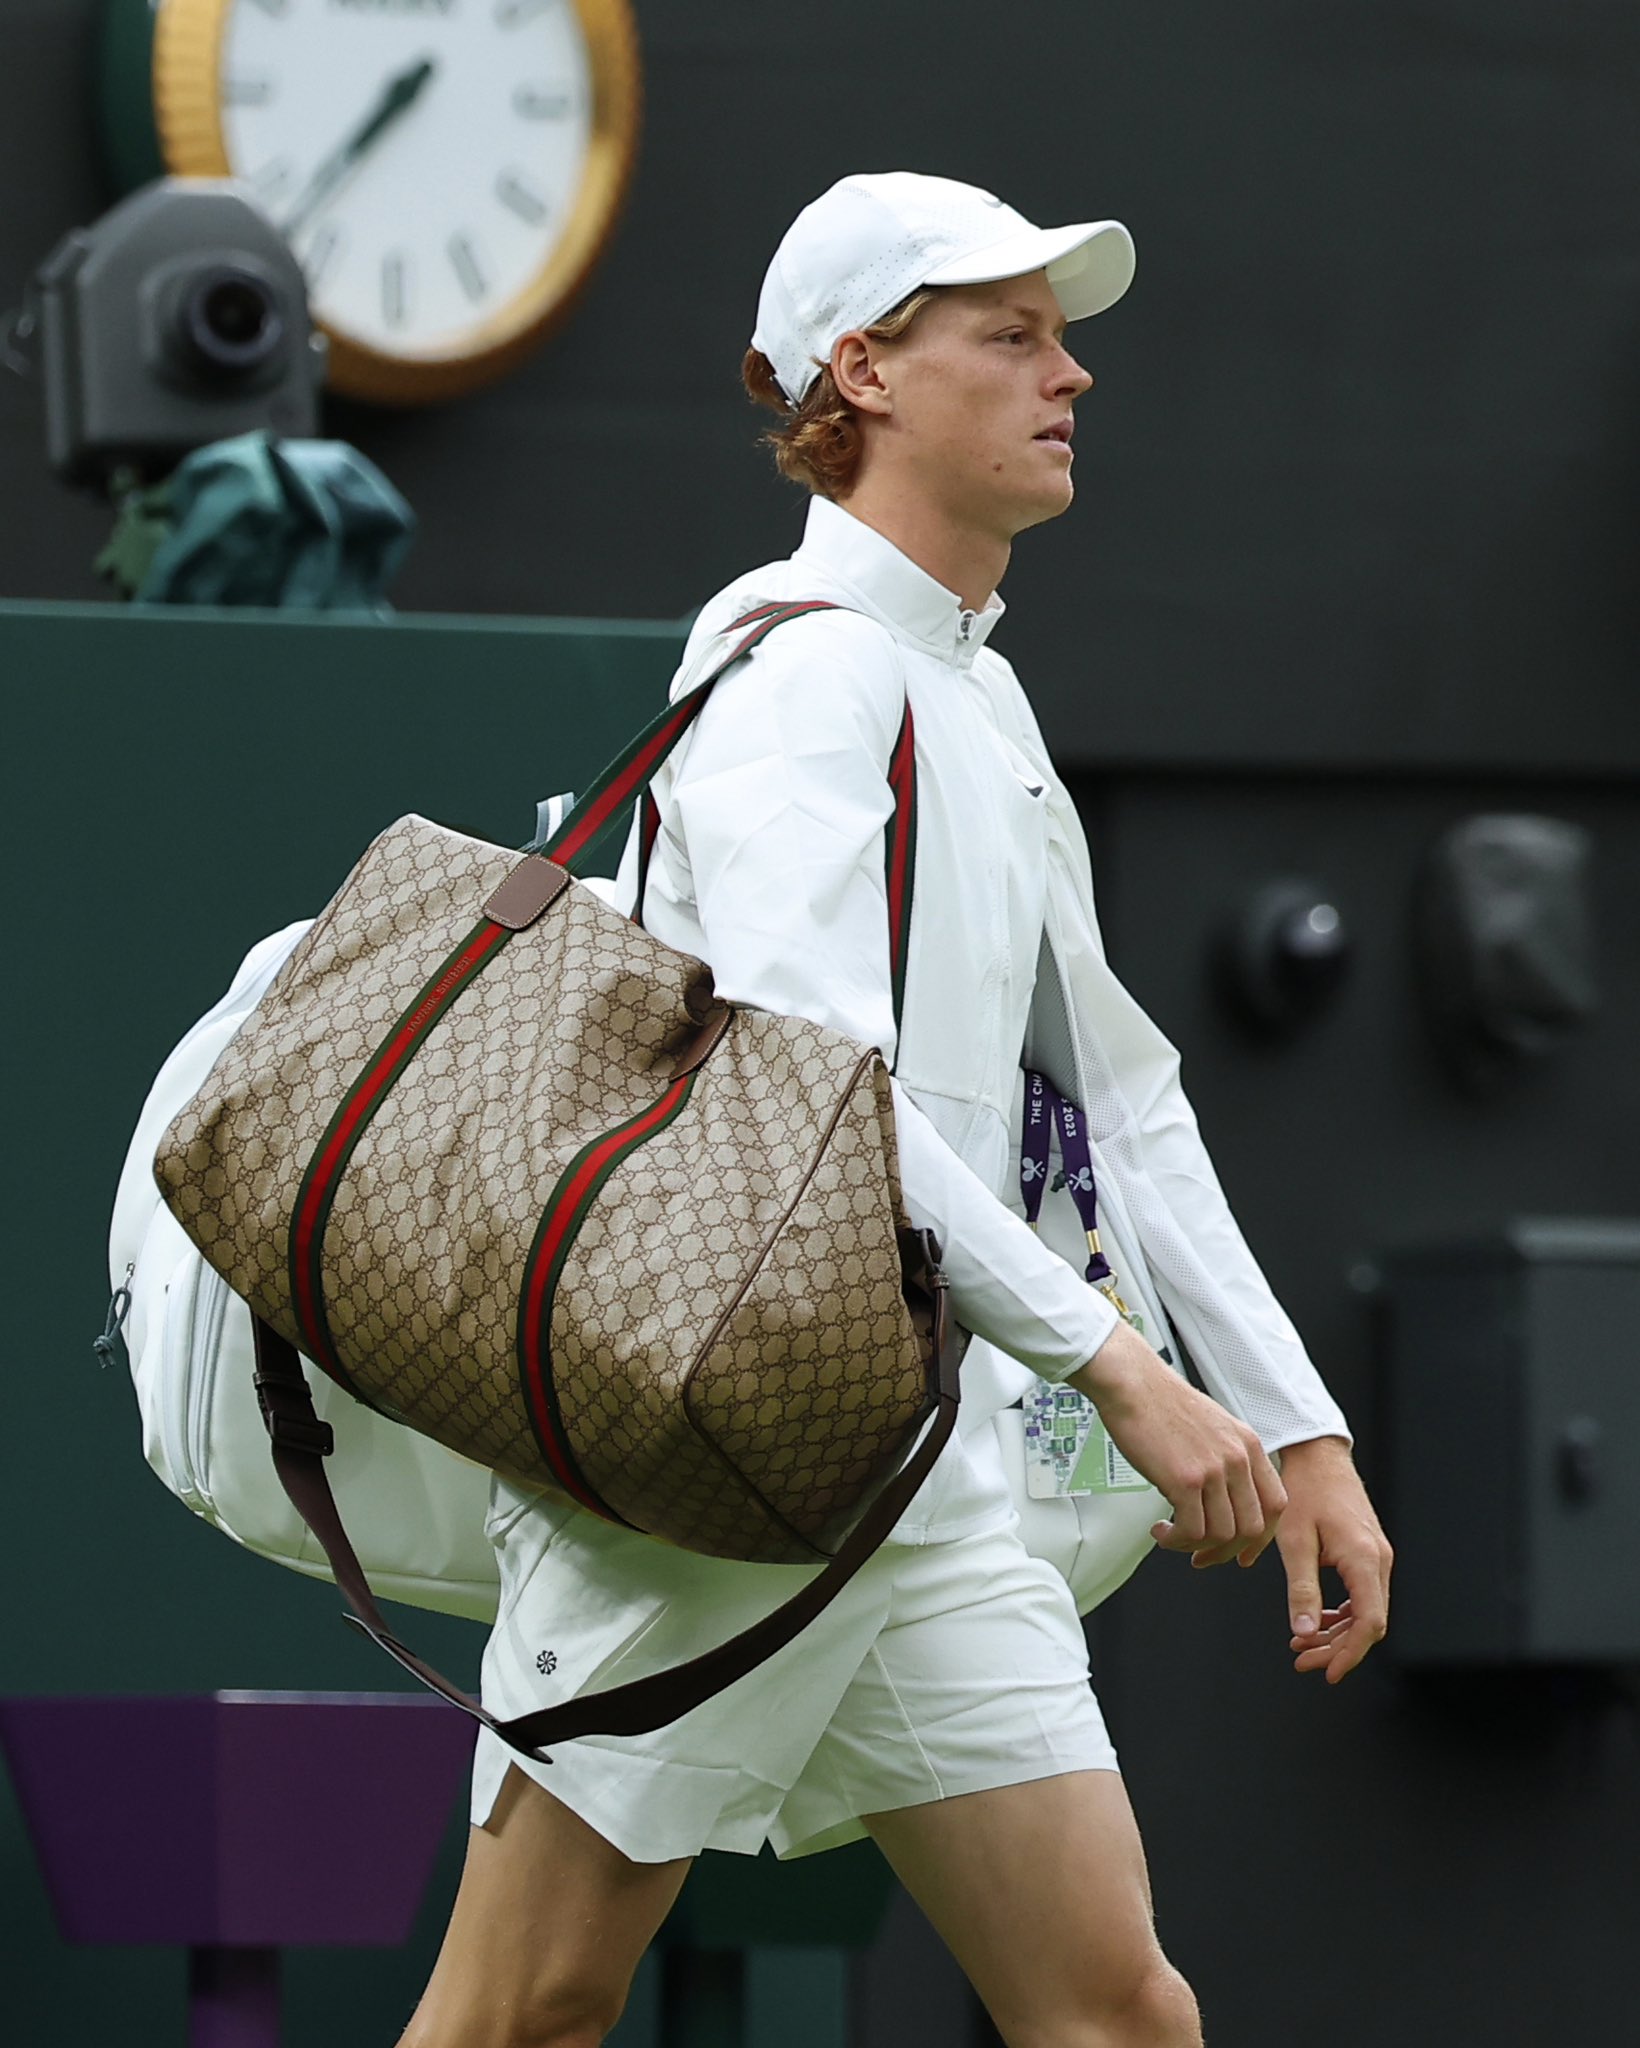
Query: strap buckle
[289, 1427]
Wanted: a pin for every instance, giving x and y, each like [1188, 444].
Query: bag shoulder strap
[900, 841]
[618, 784]
[302, 1442]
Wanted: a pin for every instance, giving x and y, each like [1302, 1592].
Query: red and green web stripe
[763, 619]
[618, 784]
[317, 1195]
[561, 1221]
[899, 858]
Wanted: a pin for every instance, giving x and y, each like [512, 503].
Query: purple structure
[235, 1824]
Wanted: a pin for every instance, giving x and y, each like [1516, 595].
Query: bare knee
[552, 2014]
[1150, 2006]
[568, 2016]
[1160, 2011]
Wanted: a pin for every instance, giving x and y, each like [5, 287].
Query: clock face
[424, 158]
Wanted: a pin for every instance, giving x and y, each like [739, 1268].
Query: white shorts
[941, 1668]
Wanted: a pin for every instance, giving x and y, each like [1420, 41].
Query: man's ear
[857, 371]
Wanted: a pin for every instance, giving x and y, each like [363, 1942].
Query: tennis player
[912, 339]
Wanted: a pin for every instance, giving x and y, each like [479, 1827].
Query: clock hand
[397, 98]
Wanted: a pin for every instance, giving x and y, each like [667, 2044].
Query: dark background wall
[1352, 557]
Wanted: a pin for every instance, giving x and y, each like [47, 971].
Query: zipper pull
[965, 624]
[110, 1346]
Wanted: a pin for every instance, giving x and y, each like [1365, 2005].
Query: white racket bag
[415, 1510]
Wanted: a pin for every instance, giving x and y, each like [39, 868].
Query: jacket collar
[891, 587]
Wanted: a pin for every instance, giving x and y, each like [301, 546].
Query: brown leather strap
[301, 1442]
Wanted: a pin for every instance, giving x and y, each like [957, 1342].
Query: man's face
[981, 384]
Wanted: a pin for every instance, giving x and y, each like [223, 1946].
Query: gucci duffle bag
[499, 1163]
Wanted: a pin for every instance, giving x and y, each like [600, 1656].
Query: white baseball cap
[876, 236]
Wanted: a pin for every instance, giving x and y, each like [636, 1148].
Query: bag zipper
[194, 1313]
[211, 1299]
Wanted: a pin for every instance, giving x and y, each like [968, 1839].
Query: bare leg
[549, 1924]
[1040, 1892]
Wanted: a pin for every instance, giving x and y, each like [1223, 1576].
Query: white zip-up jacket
[769, 865]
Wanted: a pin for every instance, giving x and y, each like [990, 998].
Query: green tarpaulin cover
[261, 521]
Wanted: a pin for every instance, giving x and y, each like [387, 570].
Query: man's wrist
[1318, 1446]
[1111, 1369]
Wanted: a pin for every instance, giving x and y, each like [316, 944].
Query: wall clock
[447, 172]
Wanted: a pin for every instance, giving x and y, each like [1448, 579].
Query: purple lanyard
[1046, 1109]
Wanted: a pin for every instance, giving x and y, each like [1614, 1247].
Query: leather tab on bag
[717, 1022]
[532, 887]
[294, 1432]
[301, 1443]
[287, 1410]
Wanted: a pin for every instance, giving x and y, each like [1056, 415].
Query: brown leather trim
[532, 887]
[701, 1044]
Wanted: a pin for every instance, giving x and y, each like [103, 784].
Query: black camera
[179, 318]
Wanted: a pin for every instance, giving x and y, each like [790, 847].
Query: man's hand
[1330, 1521]
[1227, 1498]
